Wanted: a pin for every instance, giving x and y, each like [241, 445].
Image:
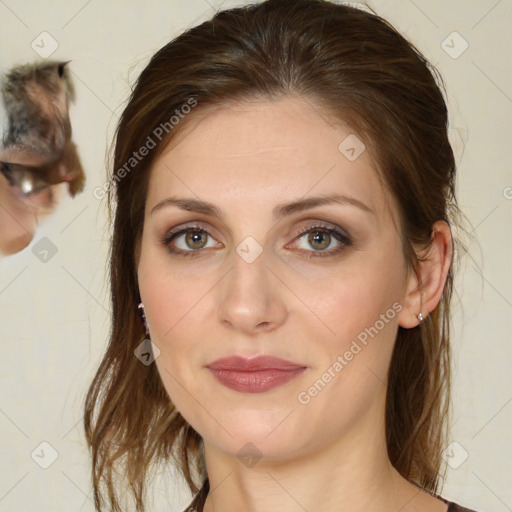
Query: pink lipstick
[254, 375]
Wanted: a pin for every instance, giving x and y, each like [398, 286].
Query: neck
[354, 473]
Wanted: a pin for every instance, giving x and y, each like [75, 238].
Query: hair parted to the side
[355, 67]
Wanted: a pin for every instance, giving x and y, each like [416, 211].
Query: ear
[425, 286]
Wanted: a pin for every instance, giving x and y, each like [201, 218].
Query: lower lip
[255, 381]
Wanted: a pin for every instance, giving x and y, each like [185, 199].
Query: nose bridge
[250, 297]
[250, 262]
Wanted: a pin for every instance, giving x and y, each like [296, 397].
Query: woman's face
[248, 283]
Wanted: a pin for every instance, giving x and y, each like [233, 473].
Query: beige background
[54, 315]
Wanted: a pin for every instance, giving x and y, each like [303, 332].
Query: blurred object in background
[36, 153]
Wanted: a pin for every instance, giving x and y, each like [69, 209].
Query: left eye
[321, 238]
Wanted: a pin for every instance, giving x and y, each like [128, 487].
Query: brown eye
[321, 238]
[188, 241]
[193, 239]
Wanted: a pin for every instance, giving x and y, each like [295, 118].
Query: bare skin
[20, 215]
[329, 453]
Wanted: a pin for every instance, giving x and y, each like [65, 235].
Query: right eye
[191, 246]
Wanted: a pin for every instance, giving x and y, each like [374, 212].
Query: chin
[263, 432]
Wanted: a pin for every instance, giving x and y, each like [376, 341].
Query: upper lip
[256, 363]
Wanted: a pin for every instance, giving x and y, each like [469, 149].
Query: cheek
[170, 296]
[358, 308]
[361, 320]
[171, 308]
[353, 297]
[174, 306]
[353, 355]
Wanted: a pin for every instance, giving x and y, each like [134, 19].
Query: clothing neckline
[197, 504]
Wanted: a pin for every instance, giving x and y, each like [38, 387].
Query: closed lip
[237, 363]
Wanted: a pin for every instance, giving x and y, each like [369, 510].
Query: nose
[252, 297]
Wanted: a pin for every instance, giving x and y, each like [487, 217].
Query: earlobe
[425, 286]
[412, 302]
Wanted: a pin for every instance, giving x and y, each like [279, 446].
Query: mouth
[255, 375]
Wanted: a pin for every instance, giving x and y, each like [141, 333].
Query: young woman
[283, 188]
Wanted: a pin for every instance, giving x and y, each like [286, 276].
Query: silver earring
[420, 318]
[143, 318]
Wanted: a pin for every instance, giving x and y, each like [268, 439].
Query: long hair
[356, 68]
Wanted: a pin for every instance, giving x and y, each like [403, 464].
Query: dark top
[198, 502]
[453, 507]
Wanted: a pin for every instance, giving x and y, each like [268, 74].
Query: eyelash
[341, 237]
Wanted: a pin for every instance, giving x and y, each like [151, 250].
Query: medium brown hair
[355, 67]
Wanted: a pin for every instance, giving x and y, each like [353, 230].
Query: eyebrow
[279, 212]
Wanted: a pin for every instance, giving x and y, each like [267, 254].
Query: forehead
[261, 152]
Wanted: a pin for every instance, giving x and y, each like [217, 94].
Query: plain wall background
[54, 316]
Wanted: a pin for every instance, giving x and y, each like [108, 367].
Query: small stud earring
[420, 318]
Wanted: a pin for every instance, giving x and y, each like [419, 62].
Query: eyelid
[311, 222]
[314, 223]
[323, 225]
